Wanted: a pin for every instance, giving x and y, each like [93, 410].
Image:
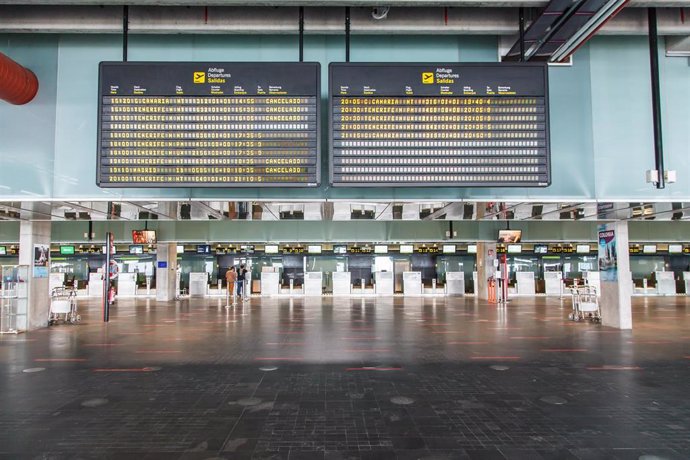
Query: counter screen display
[204, 124]
[439, 124]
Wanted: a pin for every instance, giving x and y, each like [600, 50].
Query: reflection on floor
[339, 378]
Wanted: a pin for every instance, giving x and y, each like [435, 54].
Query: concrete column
[486, 255]
[166, 271]
[33, 233]
[616, 280]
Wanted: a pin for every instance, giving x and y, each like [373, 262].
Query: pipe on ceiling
[18, 85]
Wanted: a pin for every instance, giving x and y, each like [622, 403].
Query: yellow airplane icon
[199, 77]
[427, 78]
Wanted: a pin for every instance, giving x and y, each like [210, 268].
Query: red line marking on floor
[158, 351]
[530, 338]
[367, 350]
[651, 342]
[614, 368]
[360, 338]
[60, 360]
[290, 332]
[133, 333]
[505, 328]
[374, 369]
[495, 357]
[468, 343]
[134, 369]
[102, 344]
[279, 359]
[563, 350]
[361, 328]
[437, 324]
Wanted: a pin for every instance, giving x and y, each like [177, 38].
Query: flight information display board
[439, 125]
[208, 124]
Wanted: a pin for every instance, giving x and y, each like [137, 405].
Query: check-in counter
[342, 283]
[665, 283]
[553, 283]
[384, 283]
[127, 284]
[313, 282]
[455, 283]
[412, 284]
[270, 283]
[686, 279]
[525, 283]
[198, 284]
[95, 288]
[56, 280]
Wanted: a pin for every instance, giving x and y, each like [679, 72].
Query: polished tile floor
[338, 378]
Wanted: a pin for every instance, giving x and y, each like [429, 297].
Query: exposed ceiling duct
[18, 85]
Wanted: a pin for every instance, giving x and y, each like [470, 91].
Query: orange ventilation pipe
[18, 85]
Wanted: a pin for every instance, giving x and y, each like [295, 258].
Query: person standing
[231, 279]
[247, 283]
[240, 281]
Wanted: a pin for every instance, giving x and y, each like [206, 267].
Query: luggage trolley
[63, 306]
[585, 304]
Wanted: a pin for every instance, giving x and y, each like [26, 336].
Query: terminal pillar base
[486, 255]
[34, 245]
[616, 279]
[166, 272]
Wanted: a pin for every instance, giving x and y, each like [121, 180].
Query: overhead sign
[439, 124]
[208, 124]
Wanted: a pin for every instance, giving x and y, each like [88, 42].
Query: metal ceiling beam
[262, 20]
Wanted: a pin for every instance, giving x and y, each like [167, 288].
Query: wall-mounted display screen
[449, 249]
[104, 250]
[247, 248]
[208, 124]
[203, 249]
[3, 250]
[67, 250]
[582, 248]
[180, 249]
[514, 248]
[541, 249]
[675, 248]
[447, 124]
[380, 249]
[406, 249]
[136, 249]
[314, 249]
[143, 237]
[271, 249]
[471, 248]
[649, 249]
[340, 250]
[509, 236]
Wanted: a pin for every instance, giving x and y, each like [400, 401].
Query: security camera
[380, 12]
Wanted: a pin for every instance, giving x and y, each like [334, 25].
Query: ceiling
[339, 211]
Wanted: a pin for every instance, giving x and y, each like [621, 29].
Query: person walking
[231, 279]
[246, 276]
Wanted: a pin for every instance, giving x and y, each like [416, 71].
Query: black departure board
[208, 124]
[454, 124]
